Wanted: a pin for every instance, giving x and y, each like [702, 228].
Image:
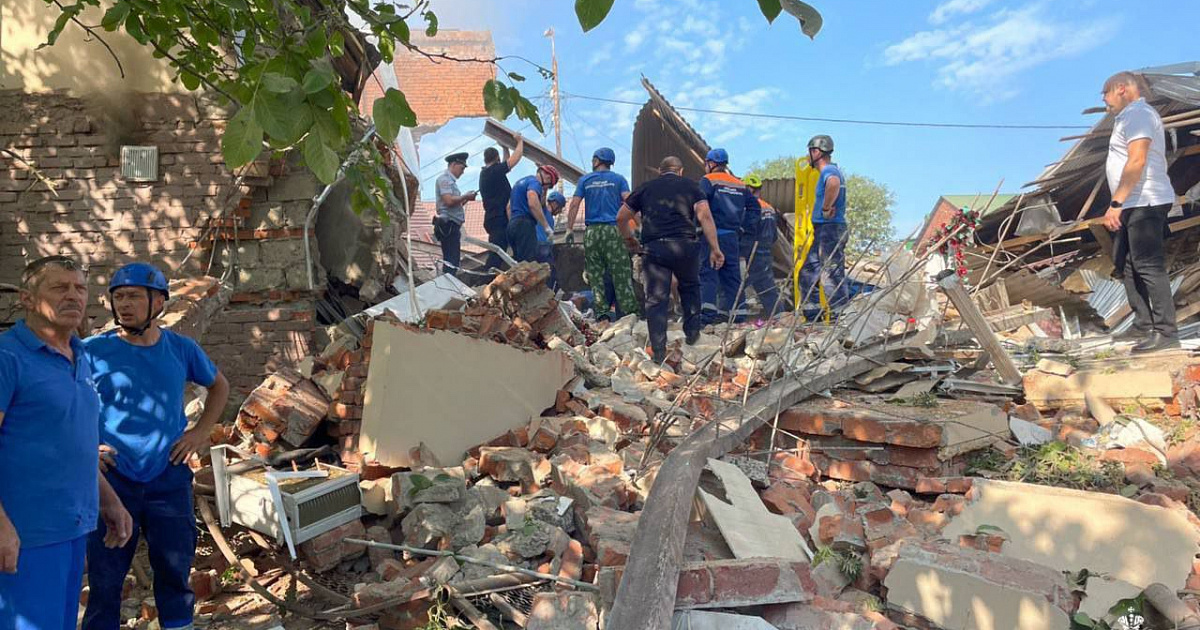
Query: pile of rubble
[854, 476]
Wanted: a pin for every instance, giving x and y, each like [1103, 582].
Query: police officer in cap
[451, 212]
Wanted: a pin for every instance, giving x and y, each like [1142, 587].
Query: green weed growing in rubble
[847, 562]
[1106, 353]
[1060, 464]
[924, 399]
[439, 617]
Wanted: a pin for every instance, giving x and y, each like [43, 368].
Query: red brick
[1129, 456]
[784, 498]
[745, 582]
[205, 584]
[950, 504]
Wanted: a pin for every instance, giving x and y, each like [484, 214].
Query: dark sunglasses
[66, 262]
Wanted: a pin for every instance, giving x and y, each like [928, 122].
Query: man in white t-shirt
[1141, 197]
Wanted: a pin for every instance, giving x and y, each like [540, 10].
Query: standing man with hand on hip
[50, 489]
[602, 191]
[671, 207]
[141, 372]
[451, 212]
[828, 253]
[495, 190]
[1141, 197]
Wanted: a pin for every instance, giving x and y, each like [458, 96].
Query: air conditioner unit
[312, 505]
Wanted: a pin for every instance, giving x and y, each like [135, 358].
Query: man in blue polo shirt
[729, 199]
[602, 191]
[141, 372]
[828, 253]
[526, 212]
[50, 492]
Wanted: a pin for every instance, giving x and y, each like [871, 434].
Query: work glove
[570, 238]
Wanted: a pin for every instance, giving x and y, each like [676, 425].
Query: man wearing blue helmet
[555, 201]
[729, 200]
[141, 372]
[602, 192]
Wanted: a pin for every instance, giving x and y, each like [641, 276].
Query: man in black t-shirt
[671, 207]
[495, 190]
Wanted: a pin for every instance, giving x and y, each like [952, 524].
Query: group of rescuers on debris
[94, 440]
[696, 233]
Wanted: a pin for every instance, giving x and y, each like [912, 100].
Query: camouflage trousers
[604, 252]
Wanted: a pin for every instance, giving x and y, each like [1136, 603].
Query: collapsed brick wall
[104, 221]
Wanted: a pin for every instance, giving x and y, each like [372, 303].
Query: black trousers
[449, 234]
[662, 260]
[522, 236]
[497, 231]
[1139, 255]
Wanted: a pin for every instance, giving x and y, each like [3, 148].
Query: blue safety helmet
[140, 275]
[556, 196]
[720, 156]
[606, 155]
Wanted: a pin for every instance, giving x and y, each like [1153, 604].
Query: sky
[1019, 62]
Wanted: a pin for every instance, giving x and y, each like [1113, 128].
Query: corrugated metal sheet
[660, 132]
[1044, 291]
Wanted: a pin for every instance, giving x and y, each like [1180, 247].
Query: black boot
[1155, 342]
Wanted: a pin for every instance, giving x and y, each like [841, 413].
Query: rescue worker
[602, 191]
[828, 253]
[141, 372]
[50, 491]
[555, 202]
[495, 191]
[526, 212]
[760, 230]
[671, 208]
[451, 212]
[728, 200]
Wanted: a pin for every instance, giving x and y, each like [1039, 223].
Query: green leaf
[515, 77]
[496, 100]
[527, 111]
[281, 116]
[770, 9]
[114, 16]
[278, 83]
[432, 21]
[1129, 490]
[60, 24]
[592, 12]
[242, 141]
[316, 43]
[189, 80]
[420, 482]
[985, 530]
[1083, 620]
[320, 159]
[133, 26]
[319, 78]
[401, 31]
[810, 19]
[387, 47]
[337, 44]
[392, 112]
[443, 478]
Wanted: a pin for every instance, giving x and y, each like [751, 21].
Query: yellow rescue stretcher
[802, 240]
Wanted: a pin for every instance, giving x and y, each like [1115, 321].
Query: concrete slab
[972, 431]
[704, 620]
[444, 291]
[750, 529]
[1132, 544]
[450, 392]
[1116, 386]
[967, 589]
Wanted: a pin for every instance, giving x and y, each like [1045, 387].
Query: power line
[851, 121]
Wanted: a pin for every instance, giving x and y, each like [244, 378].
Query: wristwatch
[1115, 204]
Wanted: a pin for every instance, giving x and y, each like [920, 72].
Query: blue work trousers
[828, 258]
[758, 264]
[546, 255]
[724, 281]
[44, 592]
[162, 512]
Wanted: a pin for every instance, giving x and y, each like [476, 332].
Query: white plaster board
[704, 620]
[1133, 543]
[961, 601]
[450, 392]
[749, 528]
[444, 291]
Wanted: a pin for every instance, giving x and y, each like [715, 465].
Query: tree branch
[92, 33]
[32, 169]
